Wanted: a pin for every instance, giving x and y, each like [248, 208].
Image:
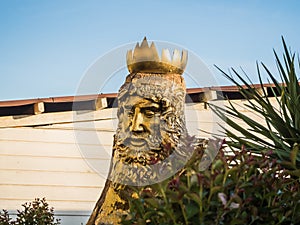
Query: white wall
[65, 157]
[49, 161]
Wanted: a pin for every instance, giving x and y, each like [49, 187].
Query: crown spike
[166, 56]
[144, 43]
[176, 61]
[155, 56]
[184, 57]
[136, 51]
[129, 58]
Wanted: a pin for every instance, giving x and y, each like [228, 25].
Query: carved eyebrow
[149, 105]
[152, 108]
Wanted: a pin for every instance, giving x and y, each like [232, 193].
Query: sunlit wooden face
[140, 122]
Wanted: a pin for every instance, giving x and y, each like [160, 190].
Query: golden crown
[146, 59]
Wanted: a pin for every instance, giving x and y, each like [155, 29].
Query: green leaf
[215, 189]
[191, 210]
[294, 172]
[219, 179]
[152, 202]
[294, 154]
[195, 197]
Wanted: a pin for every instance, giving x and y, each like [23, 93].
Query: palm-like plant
[281, 131]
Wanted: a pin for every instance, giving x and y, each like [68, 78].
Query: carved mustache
[127, 138]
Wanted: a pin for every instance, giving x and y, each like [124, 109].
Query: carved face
[140, 128]
[141, 121]
[151, 120]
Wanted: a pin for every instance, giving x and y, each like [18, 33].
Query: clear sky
[46, 46]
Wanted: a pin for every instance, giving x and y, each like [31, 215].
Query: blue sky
[46, 46]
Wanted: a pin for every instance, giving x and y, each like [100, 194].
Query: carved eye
[149, 113]
[129, 111]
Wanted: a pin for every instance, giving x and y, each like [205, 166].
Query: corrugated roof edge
[62, 99]
[12, 103]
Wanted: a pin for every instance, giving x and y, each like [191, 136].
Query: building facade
[60, 148]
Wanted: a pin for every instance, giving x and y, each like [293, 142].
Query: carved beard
[153, 150]
[136, 168]
[129, 154]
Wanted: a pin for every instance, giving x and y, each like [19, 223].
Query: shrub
[5, 218]
[36, 212]
[238, 189]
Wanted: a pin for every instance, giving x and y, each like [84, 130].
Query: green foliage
[241, 188]
[36, 212]
[281, 131]
[5, 218]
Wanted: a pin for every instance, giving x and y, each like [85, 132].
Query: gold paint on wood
[145, 59]
[151, 128]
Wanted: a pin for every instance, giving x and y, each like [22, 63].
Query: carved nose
[137, 122]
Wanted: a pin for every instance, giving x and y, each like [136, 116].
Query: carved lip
[136, 142]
